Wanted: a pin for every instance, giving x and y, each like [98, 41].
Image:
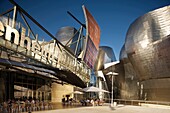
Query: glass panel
[26, 87]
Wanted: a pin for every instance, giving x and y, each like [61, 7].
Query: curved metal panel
[65, 34]
[68, 36]
[129, 89]
[105, 55]
[148, 44]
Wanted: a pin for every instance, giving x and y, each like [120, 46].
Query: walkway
[107, 109]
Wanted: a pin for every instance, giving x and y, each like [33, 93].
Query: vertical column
[58, 91]
[101, 94]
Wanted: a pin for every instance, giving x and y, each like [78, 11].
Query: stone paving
[107, 109]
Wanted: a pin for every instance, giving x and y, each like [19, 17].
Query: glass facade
[17, 85]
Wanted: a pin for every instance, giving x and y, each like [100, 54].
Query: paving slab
[107, 109]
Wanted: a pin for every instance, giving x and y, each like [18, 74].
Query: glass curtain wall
[22, 86]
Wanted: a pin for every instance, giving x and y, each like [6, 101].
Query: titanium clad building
[128, 81]
[147, 47]
[105, 55]
[69, 37]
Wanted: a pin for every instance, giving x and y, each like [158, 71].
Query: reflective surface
[128, 85]
[148, 44]
[69, 36]
[147, 47]
[105, 55]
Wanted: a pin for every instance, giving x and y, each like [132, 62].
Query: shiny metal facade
[148, 44]
[147, 48]
[105, 55]
[68, 36]
[128, 86]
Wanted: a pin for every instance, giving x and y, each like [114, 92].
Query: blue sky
[113, 16]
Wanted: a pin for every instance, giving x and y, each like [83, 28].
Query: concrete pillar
[101, 94]
[58, 91]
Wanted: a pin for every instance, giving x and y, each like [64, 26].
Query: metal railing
[52, 53]
[139, 102]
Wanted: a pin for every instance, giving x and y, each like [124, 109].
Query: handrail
[138, 102]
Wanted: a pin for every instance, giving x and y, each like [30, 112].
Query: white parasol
[94, 89]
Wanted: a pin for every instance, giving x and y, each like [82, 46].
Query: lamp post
[112, 74]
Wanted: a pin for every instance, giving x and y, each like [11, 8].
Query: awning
[19, 64]
[63, 75]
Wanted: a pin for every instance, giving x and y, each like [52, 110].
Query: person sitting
[70, 101]
[83, 102]
[63, 100]
[5, 107]
[92, 102]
